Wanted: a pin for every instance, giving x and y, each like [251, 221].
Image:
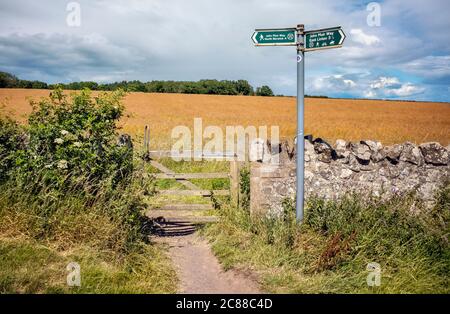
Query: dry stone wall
[365, 167]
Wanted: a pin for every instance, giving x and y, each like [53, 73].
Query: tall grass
[78, 212]
[329, 252]
[41, 232]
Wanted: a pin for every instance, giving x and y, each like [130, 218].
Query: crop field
[387, 121]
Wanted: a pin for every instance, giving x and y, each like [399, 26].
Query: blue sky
[406, 57]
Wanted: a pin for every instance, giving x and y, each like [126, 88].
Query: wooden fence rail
[189, 154]
[194, 192]
[187, 176]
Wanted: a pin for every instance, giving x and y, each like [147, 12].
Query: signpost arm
[300, 122]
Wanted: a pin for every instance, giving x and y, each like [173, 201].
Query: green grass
[195, 166]
[330, 251]
[192, 167]
[40, 234]
[31, 267]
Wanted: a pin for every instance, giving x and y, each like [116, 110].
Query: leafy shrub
[74, 137]
[71, 167]
[11, 140]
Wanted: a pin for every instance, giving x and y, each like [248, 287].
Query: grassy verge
[28, 266]
[38, 241]
[331, 250]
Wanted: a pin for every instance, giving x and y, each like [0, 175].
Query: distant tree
[191, 88]
[155, 87]
[90, 85]
[244, 88]
[72, 86]
[8, 80]
[39, 85]
[212, 87]
[135, 86]
[24, 84]
[264, 91]
[80, 85]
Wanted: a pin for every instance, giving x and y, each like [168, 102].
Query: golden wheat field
[387, 121]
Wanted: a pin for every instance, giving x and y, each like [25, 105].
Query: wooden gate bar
[194, 192]
[185, 176]
[167, 171]
[185, 207]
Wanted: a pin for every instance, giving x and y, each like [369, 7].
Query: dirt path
[198, 269]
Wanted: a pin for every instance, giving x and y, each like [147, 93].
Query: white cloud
[369, 94]
[332, 83]
[391, 87]
[349, 83]
[432, 67]
[383, 82]
[363, 85]
[407, 89]
[283, 80]
[359, 36]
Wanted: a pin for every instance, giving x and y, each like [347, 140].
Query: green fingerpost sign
[275, 37]
[324, 38]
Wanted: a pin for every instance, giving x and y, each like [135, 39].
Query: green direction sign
[275, 37]
[324, 38]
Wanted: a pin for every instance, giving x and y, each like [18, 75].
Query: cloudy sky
[406, 57]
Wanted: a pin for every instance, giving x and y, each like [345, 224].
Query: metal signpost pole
[318, 39]
[300, 122]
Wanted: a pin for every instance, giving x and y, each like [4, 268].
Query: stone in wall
[365, 167]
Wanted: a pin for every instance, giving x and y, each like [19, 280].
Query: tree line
[211, 87]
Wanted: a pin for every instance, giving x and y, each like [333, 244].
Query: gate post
[234, 182]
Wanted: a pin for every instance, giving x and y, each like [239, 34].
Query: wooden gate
[192, 189]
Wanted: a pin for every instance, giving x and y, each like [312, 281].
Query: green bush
[74, 137]
[12, 139]
[70, 167]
